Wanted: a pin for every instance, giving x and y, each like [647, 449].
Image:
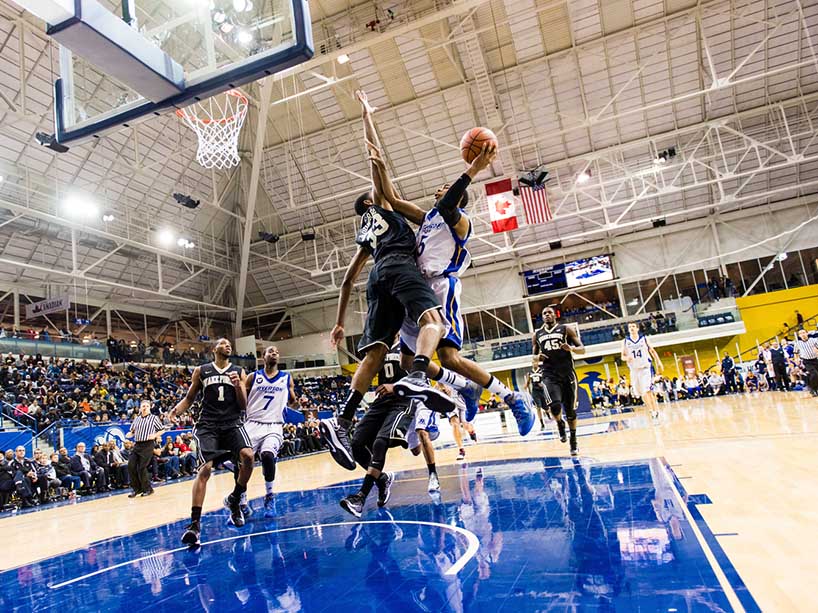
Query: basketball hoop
[217, 122]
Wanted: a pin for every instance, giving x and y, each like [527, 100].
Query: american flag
[535, 204]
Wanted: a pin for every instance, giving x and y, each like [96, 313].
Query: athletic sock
[432, 469]
[366, 487]
[269, 486]
[458, 382]
[420, 364]
[352, 404]
[195, 513]
[495, 386]
[238, 490]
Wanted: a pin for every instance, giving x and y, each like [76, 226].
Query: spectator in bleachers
[26, 479]
[47, 476]
[84, 466]
[63, 472]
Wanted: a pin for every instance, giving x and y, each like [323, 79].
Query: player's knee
[268, 465]
[423, 436]
[246, 455]
[449, 358]
[204, 472]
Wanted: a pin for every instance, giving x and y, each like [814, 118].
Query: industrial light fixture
[107, 217]
[185, 200]
[49, 141]
[343, 58]
[80, 205]
[782, 256]
[242, 6]
[584, 176]
[308, 234]
[245, 37]
[165, 237]
[555, 245]
[269, 237]
[659, 223]
[534, 178]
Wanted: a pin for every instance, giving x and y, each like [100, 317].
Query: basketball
[472, 142]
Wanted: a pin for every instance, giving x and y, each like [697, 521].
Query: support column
[108, 330]
[252, 194]
[16, 300]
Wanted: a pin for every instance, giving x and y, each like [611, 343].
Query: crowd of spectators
[322, 393]
[586, 314]
[775, 367]
[44, 391]
[155, 352]
[62, 335]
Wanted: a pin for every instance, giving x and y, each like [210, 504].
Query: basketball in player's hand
[472, 142]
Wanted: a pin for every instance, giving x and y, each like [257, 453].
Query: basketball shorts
[538, 396]
[561, 393]
[265, 436]
[218, 442]
[447, 292]
[425, 419]
[642, 380]
[395, 290]
[389, 417]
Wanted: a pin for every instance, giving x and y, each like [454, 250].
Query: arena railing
[752, 352]
[7, 412]
[50, 349]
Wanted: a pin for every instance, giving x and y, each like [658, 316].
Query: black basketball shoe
[335, 433]
[191, 534]
[353, 504]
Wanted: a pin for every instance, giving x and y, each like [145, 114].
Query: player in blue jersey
[269, 392]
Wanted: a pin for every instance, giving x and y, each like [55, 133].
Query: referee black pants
[141, 457]
[811, 368]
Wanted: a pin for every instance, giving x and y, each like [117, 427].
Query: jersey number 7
[269, 398]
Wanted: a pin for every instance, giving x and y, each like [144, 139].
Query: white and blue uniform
[264, 418]
[441, 257]
[640, 364]
[426, 419]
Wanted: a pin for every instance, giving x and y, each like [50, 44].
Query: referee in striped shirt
[146, 429]
[807, 349]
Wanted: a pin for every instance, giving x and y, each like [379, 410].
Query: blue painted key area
[553, 534]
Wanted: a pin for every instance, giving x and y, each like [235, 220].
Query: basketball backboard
[220, 44]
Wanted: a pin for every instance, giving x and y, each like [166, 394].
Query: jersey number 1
[221, 393]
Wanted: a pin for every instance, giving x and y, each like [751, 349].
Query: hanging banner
[50, 305]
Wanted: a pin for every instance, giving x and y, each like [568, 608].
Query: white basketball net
[217, 122]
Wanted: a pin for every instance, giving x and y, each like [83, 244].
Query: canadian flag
[502, 206]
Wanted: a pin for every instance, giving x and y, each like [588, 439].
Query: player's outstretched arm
[449, 204]
[574, 345]
[354, 269]
[409, 210]
[185, 403]
[373, 145]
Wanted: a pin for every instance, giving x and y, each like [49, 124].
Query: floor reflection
[552, 534]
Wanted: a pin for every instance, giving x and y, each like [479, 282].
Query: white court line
[729, 592]
[474, 544]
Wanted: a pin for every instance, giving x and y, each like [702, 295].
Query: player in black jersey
[395, 290]
[534, 386]
[554, 346]
[218, 431]
[384, 425]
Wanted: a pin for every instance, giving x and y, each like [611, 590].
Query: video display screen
[568, 275]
